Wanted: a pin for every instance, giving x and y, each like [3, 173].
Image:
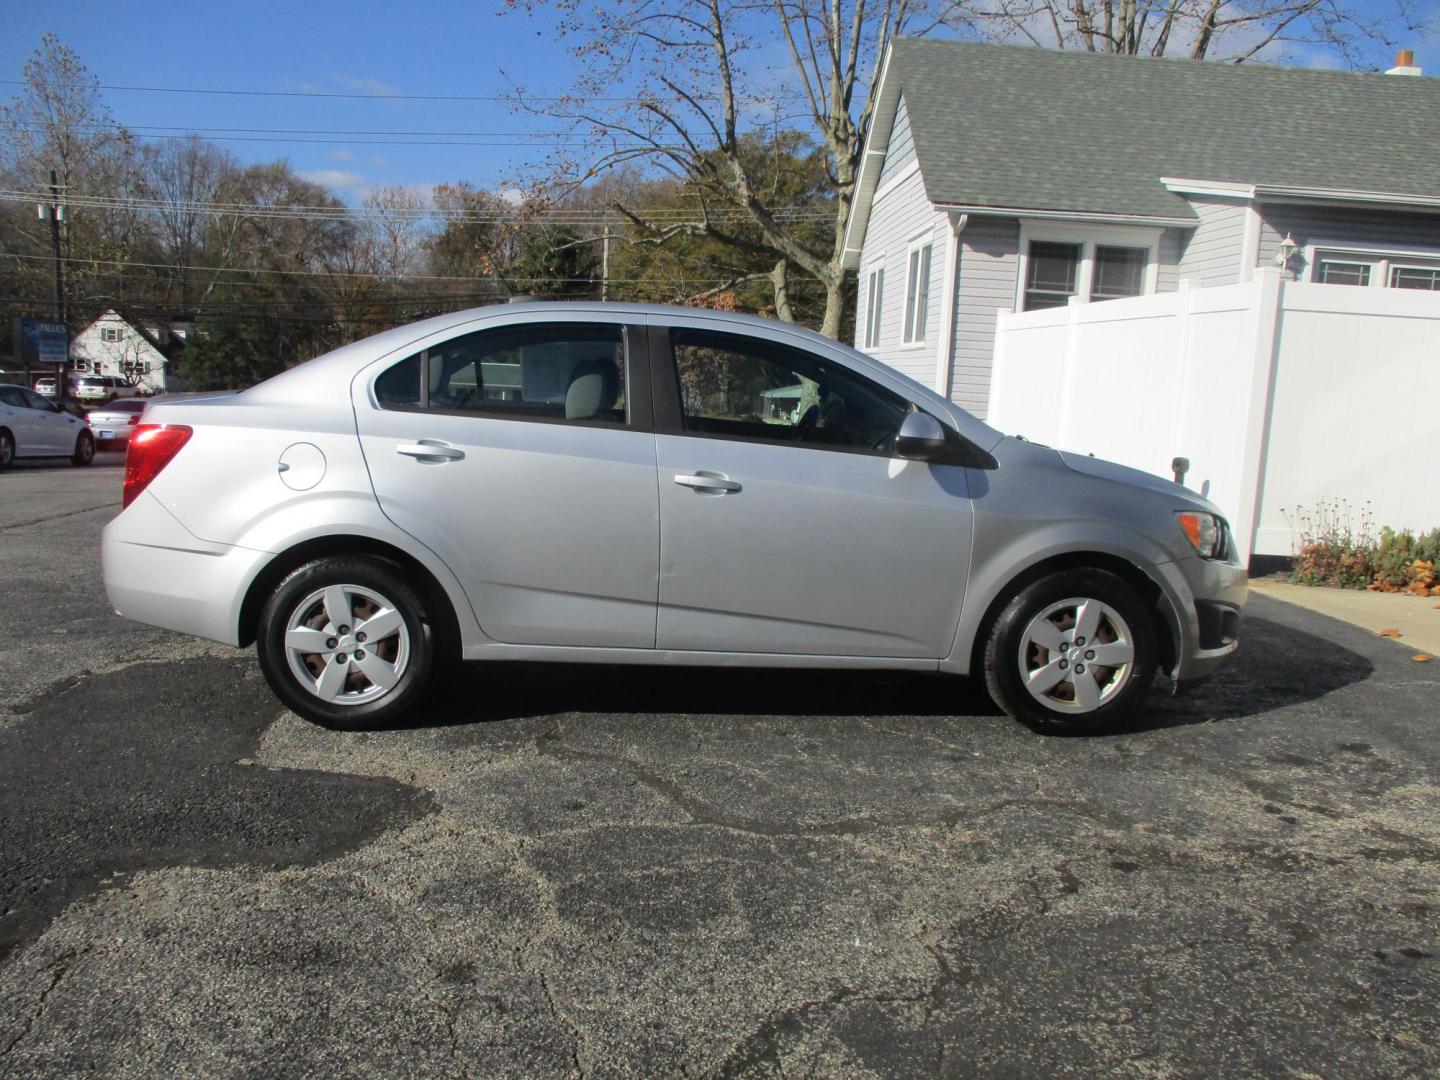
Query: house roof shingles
[1015, 127]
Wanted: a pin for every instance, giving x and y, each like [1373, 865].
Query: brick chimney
[1405, 64]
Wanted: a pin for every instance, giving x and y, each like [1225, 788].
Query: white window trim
[872, 319]
[1382, 258]
[1089, 237]
[925, 239]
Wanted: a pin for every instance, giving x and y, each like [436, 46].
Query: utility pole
[55, 211]
[605, 265]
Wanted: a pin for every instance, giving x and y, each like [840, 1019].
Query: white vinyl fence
[1281, 394]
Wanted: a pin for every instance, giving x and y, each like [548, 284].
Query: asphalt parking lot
[626, 872]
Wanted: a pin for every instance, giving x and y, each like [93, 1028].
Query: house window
[1119, 272]
[1052, 276]
[874, 298]
[1415, 277]
[1089, 262]
[1339, 272]
[917, 294]
[1374, 267]
[110, 334]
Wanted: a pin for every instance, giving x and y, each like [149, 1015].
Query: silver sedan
[34, 426]
[645, 485]
[114, 422]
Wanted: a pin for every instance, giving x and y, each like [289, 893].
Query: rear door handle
[430, 450]
[707, 483]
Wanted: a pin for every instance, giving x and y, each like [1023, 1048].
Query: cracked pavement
[617, 872]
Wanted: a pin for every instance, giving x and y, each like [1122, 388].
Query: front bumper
[157, 572]
[1207, 598]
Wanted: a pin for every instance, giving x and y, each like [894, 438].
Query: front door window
[746, 388]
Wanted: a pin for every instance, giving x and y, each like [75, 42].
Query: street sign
[42, 341]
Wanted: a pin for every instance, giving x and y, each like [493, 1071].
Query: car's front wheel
[7, 449]
[347, 642]
[84, 452]
[1074, 651]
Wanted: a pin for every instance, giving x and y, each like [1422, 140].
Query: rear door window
[566, 372]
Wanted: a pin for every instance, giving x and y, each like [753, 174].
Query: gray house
[1002, 178]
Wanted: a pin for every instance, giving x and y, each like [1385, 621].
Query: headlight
[1205, 532]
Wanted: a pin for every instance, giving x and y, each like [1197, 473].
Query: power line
[345, 274]
[39, 126]
[354, 96]
[506, 215]
[524, 141]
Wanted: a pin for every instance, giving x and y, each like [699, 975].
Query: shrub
[1404, 561]
[1333, 551]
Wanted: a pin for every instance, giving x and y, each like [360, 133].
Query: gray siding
[901, 217]
[1368, 227]
[989, 261]
[1167, 274]
[1212, 255]
[901, 149]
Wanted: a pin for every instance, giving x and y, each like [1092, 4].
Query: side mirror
[920, 438]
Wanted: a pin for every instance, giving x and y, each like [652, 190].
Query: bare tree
[704, 83]
[184, 175]
[392, 229]
[1238, 30]
[58, 122]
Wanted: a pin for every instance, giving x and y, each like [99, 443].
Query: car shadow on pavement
[1276, 666]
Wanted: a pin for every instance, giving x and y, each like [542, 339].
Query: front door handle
[707, 483]
[430, 450]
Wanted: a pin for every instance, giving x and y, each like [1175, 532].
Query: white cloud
[341, 155]
[360, 84]
[513, 196]
[338, 180]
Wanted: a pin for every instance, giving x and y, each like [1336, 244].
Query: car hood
[1123, 474]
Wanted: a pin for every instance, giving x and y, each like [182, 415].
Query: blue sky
[444, 47]
[448, 48]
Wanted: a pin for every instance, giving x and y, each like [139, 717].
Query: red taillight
[151, 448]
[134, 419]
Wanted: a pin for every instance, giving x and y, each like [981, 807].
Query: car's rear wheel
[84, 452]
[347, 642]
[1072, 652]
[7, 449]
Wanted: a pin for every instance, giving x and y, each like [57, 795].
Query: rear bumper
[157, 572]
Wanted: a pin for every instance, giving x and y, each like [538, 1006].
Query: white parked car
[616, 483]
[113, 423]
[31, 426]
[103, 388]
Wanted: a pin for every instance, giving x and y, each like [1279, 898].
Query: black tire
[1099, 696]
[7, 448]
[84, 449]
[370, 584]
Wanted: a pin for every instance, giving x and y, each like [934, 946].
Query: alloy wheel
[1076, 655]
[347, 644]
